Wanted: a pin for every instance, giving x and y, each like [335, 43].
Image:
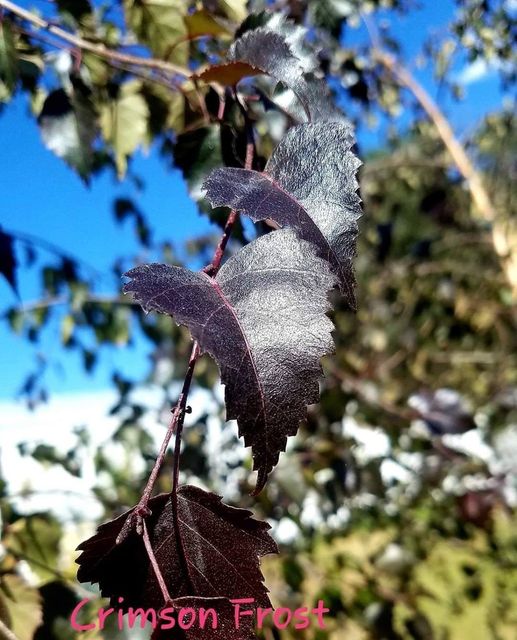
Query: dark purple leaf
[296, 37]
[269, 52]
[263, 320]
[8, 262]
[309, 184]
[210, 551]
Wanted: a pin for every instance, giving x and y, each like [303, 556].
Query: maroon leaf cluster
[269, 51]
[263, 320]
[266, 51]
[262, 317]
[313, 191]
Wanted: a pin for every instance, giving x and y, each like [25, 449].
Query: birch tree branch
[504, 236]
[97, 49]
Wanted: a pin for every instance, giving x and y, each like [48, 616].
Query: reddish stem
[154, 563]
[142, 511]
[182, 401]
[176, 423]
[214, 266]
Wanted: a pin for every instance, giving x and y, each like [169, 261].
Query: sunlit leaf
[35, 539]
[160, 25]
[124, 123]
[203, 23]
[20, 606]
[234, 10]
[266, 51]
[309, 184]
[8, 57]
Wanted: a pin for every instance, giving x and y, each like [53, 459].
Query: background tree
[383, 505]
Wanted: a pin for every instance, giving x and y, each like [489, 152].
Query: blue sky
[41, 196]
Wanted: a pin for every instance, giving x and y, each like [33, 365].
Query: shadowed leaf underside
[210, 550]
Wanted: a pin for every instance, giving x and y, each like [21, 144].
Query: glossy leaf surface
[263, 320]
[309, 184]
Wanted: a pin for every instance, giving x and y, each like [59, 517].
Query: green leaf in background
[68, 127]
[49, 456]
[167, 108]
[234, 10]
[20, 606]
[464, 590]
[8, 60]
[67, 328]
[202, 23]
[196, 153]
[124, 208]
[124, 123]
[35, 539]
[161, 26]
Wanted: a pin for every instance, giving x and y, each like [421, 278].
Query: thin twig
[97, 49]
[154, 564]
[142, 511]
[145, 74]
[55, 301]
[458, 153]
[175, 427]
[213, 267]
[6, 633]
[31, 240]
[182, 403]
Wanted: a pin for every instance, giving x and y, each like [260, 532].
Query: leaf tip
[262, 477]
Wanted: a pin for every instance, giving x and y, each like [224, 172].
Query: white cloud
[35, 487]
[474, 72]
[52, 488]
[480, 70]
[371, 442]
